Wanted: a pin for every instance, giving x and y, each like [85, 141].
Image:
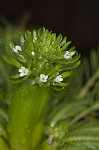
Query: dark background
[76, 19]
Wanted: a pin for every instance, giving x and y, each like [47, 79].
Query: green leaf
[59, 38]
[16, 76]
[16, 63]
[66, 74]
[22, 39]
[54, 70]
[72, 49]
[57, 88]
[34, 34]
[11, 44]
[71, 66]
[62, 84]
[65, 46]
[63, 41]
[7, 59]
[12, 61]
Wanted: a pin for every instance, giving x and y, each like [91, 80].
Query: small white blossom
[43, 78]
[58, 79]
[34, 39]
[23, 71]
[17, 48]
[68, 54]
[32, 53]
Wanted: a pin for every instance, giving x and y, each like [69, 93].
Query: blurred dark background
[76, 19]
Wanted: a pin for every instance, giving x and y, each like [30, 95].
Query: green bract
[42, 58]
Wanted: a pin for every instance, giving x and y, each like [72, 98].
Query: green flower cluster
[57, 134]
[42, 58]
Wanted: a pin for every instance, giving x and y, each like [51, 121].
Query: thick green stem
[26, 117]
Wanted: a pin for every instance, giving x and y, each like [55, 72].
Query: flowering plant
[42, 58]
[31, 118]
[44, 61]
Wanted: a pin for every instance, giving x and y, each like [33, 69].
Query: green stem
[26, 117]
[88, 85]
[84, 113]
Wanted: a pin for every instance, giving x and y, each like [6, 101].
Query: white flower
[58, 79]
[43, 78]
[23, 71]
[33, 53]
[17, 48]
[68, 54]
[34, 39]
